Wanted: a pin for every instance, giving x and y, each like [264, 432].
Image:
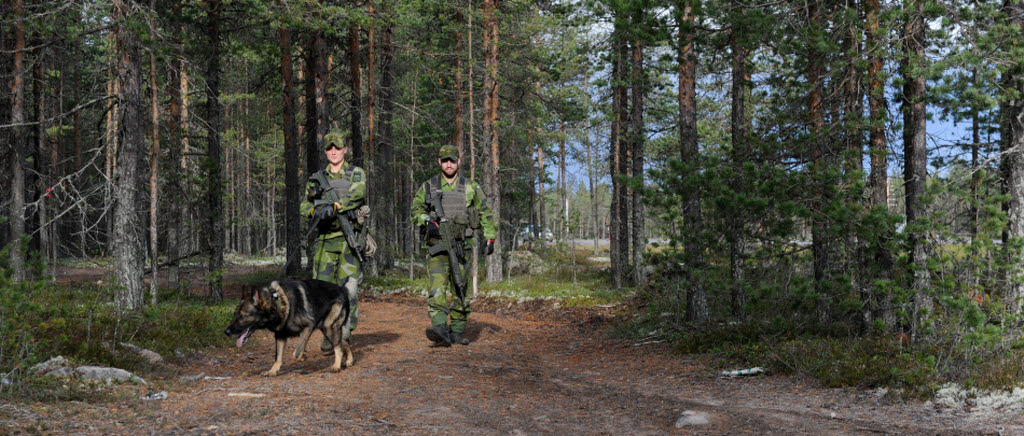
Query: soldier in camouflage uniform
[333, 261]
[465, 205]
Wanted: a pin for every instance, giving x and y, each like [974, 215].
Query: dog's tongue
[243, 338]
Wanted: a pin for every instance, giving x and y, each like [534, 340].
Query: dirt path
[532, 376]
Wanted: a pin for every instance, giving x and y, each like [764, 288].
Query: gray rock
[691, 417]
[525, 262]
[152, 357]
[105, 373]
[54, 364]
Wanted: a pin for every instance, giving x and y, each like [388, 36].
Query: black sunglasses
[448, 159]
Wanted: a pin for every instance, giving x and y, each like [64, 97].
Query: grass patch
[574, 282]
[39, 320]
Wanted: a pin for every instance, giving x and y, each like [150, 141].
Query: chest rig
[455, 209]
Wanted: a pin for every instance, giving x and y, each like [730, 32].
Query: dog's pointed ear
[255, 296]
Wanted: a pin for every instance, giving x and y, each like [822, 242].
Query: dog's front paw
[335, 368]
[300, 358]
[270, 373]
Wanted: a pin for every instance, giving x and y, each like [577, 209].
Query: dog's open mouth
[244, 337]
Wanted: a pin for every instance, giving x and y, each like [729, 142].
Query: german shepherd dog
[291, 308]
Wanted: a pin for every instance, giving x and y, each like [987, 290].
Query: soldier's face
[449, 167]
[336, 155]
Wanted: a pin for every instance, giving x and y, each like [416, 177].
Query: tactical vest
[455, 209]
[342, 184]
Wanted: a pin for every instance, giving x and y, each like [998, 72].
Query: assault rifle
[327, 196]
[448, 244]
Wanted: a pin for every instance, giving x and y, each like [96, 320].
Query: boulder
[525, 262]
[150, 356]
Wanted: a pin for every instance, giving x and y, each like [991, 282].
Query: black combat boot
[439, 334]
[457, 338]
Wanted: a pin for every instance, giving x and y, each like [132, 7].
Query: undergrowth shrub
[40, 320]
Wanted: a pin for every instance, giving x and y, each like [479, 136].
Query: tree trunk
[214, 193]
[154, 160]
[637, 139]
[40, 174]
[292, 221]
[820, 235]
[1013, 153]
[563, 190]
[878, 183]
[355, 84]
[541, 180]
[696, 296]
[619, 222]
[385, 180]
[494, 261]
[738, 126]
[915, 152]
[175, 78]
[590, 162]
[18, 144]
[472, 149]
[458, 135]
[129, 248]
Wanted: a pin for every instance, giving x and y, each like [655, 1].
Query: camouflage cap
[334, 139]
[448, 152]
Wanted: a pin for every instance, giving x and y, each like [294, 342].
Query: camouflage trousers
[442, 301]
[333, 262]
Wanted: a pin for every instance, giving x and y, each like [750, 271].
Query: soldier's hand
[324, 212]
[490, 247]
[433, 229]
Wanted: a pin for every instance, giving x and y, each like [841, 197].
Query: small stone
[691, 417]
[162, 395]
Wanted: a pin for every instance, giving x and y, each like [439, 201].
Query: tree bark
[878, 180]
[696, 296]
[820, 236]
[738, 127]
[214, 193]
[915, 152]
[1014, 155]
[18, 144]
[356, 86]
[176, 131]
[619, 221]
[494, 261]
[292, 221]
[637, 139]
[129, 248]
[385, 180]
[590, 162]
[154, 160]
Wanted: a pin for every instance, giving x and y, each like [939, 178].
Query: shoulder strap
[434, 183]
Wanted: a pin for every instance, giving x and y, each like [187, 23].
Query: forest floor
[532, 369]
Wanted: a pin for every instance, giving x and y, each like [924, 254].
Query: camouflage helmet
[448, 152]
[334, 139]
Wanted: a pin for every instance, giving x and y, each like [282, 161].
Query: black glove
[324, 212]
[433, 229]
[490, 247]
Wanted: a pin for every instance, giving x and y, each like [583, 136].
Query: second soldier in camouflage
[464, 205]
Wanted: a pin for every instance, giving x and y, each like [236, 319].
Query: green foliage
[40, 320]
